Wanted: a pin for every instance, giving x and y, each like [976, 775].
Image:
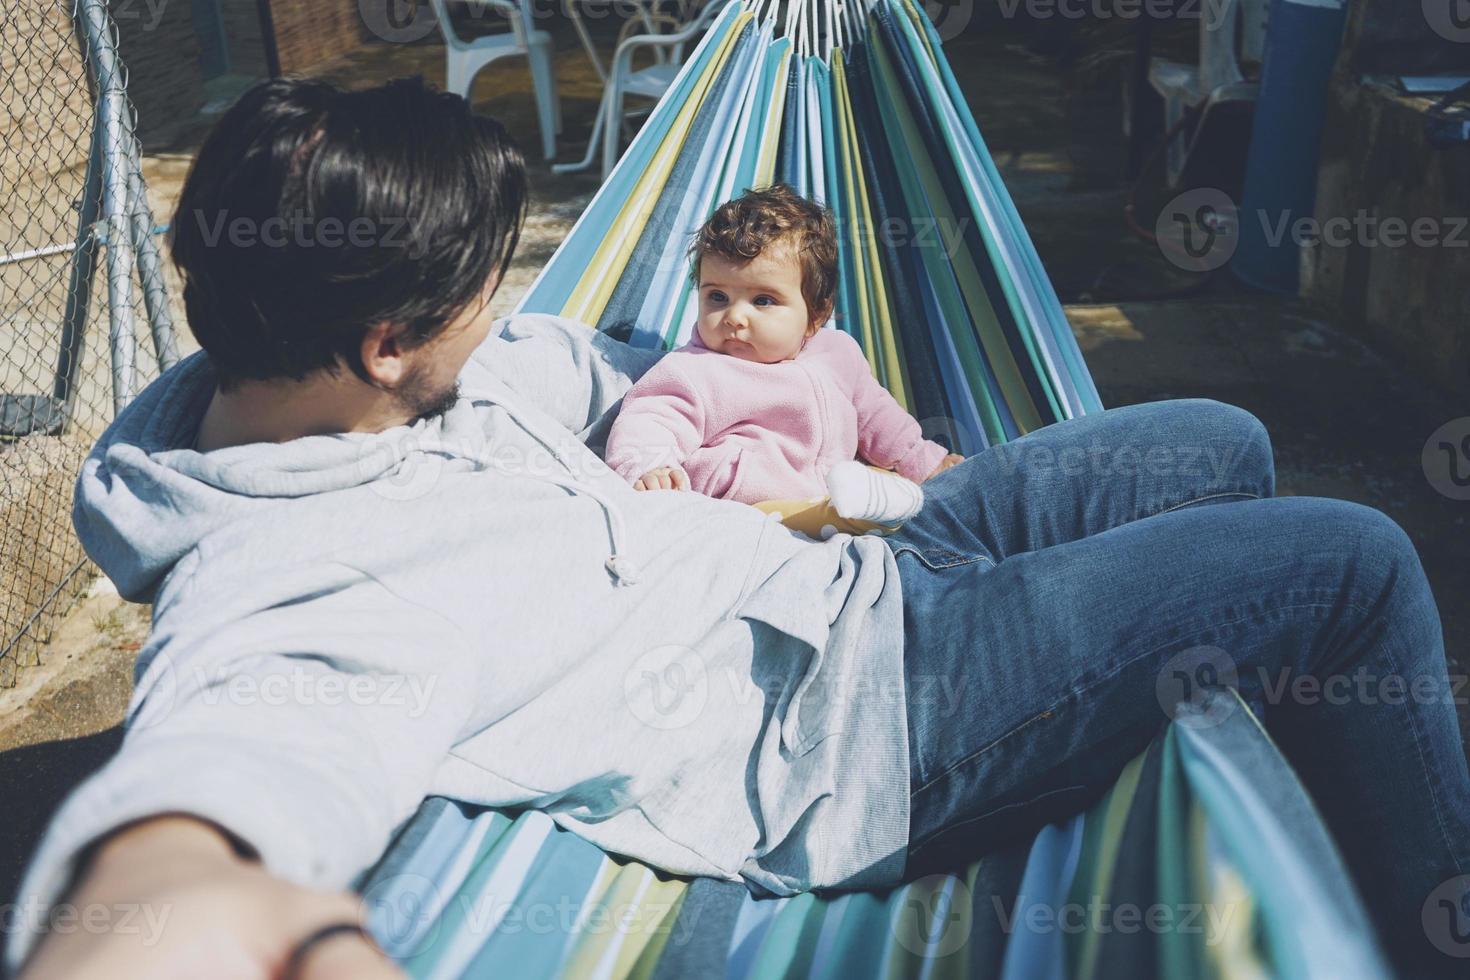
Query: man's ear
[382, 351]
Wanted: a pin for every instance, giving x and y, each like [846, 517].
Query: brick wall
[161, 51]
[312, 31]
[242, 27]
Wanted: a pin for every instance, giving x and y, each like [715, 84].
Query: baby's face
[753, 311]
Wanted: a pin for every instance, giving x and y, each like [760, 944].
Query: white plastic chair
[651, 82]
[463, 59]
[1217, 78]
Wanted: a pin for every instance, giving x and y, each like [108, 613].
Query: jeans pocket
[937, 559]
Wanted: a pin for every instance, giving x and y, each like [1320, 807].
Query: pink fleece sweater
[750, 432]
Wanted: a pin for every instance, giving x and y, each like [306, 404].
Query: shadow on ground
[34, 780]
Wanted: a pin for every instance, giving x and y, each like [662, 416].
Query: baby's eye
[766, 299]
[716, 296]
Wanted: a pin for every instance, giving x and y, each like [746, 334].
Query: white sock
[861, 493]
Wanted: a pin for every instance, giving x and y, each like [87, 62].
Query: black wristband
[314, 939]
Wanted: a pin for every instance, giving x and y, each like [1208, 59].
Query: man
[385, 561]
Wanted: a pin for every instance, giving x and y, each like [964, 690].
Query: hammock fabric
[1205, 859]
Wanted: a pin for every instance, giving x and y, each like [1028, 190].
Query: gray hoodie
[476, 606]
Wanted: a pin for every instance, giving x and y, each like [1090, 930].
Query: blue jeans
[1048, 581]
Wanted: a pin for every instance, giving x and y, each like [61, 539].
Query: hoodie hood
[145, 497]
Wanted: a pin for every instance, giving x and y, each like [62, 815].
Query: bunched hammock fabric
[1206, 859]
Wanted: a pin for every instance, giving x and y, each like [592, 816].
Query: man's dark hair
[312, 213]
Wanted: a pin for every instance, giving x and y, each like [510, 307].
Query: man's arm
[306, 730]
[177, 898]
[566, 368]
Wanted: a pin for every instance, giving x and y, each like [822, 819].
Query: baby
[763, 404]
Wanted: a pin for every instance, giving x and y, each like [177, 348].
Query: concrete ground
[1344, 422]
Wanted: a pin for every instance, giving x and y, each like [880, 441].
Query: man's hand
[180, 903]
[953, 459]
[663, 478]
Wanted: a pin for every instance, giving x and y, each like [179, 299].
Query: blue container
[1286, 135]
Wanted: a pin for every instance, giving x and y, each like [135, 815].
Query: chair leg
[613, 130]
[555, 92]
[544, 84]
[453, 75]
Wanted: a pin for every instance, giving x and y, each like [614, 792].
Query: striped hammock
[1206, 859]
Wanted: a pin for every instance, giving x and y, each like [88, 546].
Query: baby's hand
[663, 478]
[953, 459]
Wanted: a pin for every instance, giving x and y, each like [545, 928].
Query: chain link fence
[84, 322]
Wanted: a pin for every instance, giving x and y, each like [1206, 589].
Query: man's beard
[422, 402]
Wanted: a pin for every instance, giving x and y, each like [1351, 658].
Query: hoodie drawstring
[622, 568]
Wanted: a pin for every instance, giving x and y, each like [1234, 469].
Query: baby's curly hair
[741, 229]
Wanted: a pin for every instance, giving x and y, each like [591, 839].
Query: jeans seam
[918, 845]
[1079, 692]
[1209, 496]
[1428, 773]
